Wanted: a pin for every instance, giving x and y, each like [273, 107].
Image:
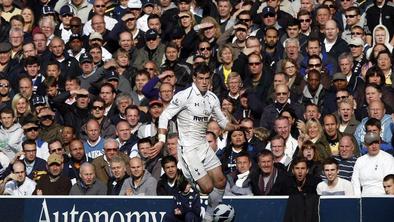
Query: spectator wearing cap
[54, 182]
[99, 8]
[268, 18]
[143, 12]
[356, 45]
[63, 29]
[97, 38]
[90, 74]
[50, 130]
[9, 9]
[31, 131]
[370, 169]
[81, 8]
[75, 45]
[10, 68]
[153, 50]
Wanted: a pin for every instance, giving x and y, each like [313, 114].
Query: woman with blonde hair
[209, 30]
[187, 23]
[313, 131]
[28, 16]
[226, 58]
[21, 107]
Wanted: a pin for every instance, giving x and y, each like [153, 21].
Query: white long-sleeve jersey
[193, 111]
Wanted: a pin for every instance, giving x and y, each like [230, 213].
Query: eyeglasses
[151, 39]
[32, 129]
[342, 97]
[205, 48]
[244, 20]
[281, 93]
[3, 85]
[330, 6]
[354, 46]
[100, 6]
[314, 65]
[208, 28]
[98, 107]
[185, 16]
[356, 33]
[305, 20]
[111, 149]
[350, 16]
[254, 63]
[269, 15]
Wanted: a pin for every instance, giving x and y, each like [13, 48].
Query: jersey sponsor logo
[200, 119]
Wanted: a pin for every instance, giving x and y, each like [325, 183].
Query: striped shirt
[345, 167]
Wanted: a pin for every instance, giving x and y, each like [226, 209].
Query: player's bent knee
[205, 184]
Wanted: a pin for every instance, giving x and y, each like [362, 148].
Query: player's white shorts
[196, 161]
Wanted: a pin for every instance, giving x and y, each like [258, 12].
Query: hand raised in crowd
[129, 192]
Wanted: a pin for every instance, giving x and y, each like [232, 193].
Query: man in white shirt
[334, 185]
[194, 107]
[18, 183]
[370, 169]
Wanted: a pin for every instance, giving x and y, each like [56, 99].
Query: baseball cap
[95, 35]
[54, 158]
[75, 36]
[112, 75]
[147, 3]
[339, 76]
[357, 41]
[66, 10]
[30, 123]
[46, 10]
[151, 34]
[268, 10]
[134, 4]
[85, 57]
[155, 102]
[5, 47]
[39, 101]
[371, 137]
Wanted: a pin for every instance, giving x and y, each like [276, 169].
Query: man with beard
[78, 157]
[55, 182]
[141, 181]
[273, 51]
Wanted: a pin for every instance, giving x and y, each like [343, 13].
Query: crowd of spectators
[83, 84]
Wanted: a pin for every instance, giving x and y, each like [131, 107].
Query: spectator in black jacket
[168, 183]
[269, 179]
[119, 175]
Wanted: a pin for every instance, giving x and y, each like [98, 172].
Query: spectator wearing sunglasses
[31, 131]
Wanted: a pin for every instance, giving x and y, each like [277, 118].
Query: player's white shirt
[193, 111]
